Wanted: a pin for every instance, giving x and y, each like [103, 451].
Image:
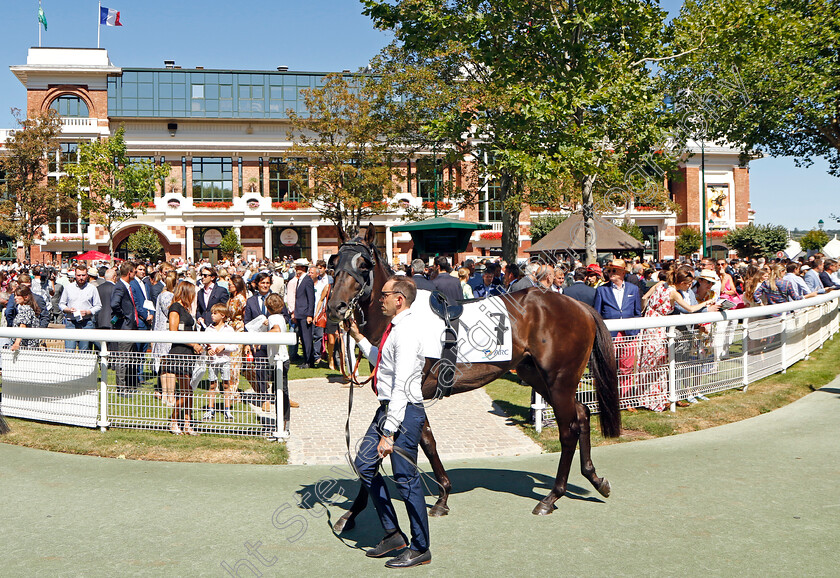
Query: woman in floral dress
[653, 343]
[27, 316]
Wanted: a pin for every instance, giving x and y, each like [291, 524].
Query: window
[251, 98]
[197, 98]
[493, 200]
[281, 184]
[68, 221]
[212, 178]
[69, 105]
[426, 176]
[67, 154]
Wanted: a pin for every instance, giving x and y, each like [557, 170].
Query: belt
[383, 403]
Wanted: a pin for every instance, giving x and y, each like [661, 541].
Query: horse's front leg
[567, 423]
[429, 446]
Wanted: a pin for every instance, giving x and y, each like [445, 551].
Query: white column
[267, 248]
[313, 237]
[389, 245]
[238, 233]
[190, 244]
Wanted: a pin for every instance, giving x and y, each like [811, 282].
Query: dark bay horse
[554, 338]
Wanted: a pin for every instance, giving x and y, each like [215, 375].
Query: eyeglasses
[206, 275]
[386, 293]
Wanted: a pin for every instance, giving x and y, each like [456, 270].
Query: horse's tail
[602, 365]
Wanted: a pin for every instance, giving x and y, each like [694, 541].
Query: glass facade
[281, 187]
[208, 93]
[212, 179]
[68, 105]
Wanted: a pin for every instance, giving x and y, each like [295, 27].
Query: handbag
[321, 318]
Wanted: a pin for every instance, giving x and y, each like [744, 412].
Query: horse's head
[354, 266]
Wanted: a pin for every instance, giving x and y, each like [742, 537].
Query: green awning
[439, 223]
[440, 235]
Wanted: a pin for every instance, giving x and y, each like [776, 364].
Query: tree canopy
[764, 74]
[111, 187]
[32, 201]
[549, 91]
[754, 241]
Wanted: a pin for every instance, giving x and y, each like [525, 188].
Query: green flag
[42, 18]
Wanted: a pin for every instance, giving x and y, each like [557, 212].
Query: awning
[569, 236]
[440, 234]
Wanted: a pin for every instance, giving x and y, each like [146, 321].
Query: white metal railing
[682, 356]
[110, 387]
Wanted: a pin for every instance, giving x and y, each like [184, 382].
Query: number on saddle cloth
[439, 303]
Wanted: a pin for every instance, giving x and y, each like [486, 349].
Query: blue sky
[320, 35]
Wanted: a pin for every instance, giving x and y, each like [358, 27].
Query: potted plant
[173, 204]
[252, 185]
[253, 203]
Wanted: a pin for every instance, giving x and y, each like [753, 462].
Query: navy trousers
[406, 475]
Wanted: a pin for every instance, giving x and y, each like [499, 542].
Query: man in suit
[106, 289]
[304, 315]
[254, 307]
[445, 282]
[580, 290]
[301, 266]
[123, 308]
[620, 300]
[209, 294]
[418, 268]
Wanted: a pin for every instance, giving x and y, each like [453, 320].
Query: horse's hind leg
[429, 446]
[568, 424]
[347, 521]
[586, 467]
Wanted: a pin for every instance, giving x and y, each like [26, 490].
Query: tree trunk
[588, 203]
[510, 223]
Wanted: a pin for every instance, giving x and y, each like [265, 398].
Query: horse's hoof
[542, 509]
[438, 510]
[344, 523]
[604, 488]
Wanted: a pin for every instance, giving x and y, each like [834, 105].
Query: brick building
[224, 133]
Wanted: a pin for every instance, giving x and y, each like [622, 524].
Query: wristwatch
[387, 434]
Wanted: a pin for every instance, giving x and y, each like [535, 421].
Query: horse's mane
[378, 254]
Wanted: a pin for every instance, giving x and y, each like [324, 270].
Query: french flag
[109, 17]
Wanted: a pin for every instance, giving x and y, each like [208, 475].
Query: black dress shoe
[410, 558]
[389, 543]
[303, 366]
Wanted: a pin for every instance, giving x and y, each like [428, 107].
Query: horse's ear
[370, 235]
[342, 234]
[333, 262]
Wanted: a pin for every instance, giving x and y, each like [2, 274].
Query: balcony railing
[79, 125]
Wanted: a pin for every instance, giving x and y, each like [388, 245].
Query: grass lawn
[725, 407]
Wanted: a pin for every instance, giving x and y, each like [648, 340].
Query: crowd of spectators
[291, 295]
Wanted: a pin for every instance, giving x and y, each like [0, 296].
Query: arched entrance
[121, 243]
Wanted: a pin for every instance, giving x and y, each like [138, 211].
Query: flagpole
[98, 25]
[39, 24]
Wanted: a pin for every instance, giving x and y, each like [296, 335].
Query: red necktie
[379, 356]
[136, 318]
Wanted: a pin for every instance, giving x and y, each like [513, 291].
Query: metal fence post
[784, 342]
[745, 354]
[280, 431]
[103, 422]
[672, 368]
[538, 406]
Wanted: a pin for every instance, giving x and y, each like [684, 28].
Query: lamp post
[84, 225]
[821, 224]
[703, 192]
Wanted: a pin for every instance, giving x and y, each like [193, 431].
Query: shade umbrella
[95, 256]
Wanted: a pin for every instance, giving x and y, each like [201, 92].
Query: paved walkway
[465, 425]
[754, 498]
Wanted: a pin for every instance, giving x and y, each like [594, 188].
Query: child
[219, 361]
[279, 353]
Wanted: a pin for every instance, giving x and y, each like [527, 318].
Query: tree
[145, 244]
[230, 245]
[111, 188]
[350, 167]
[689, 241]
[814, 240]
[754, 241]
[632, 229]
[550, 91]
[32, 201]
[765, 74]
[543, 225]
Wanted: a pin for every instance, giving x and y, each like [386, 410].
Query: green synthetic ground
[754, 498]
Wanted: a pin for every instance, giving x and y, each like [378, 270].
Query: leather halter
[344, 264]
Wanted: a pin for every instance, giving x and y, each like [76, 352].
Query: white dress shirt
[399, 377]
[618, 293]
